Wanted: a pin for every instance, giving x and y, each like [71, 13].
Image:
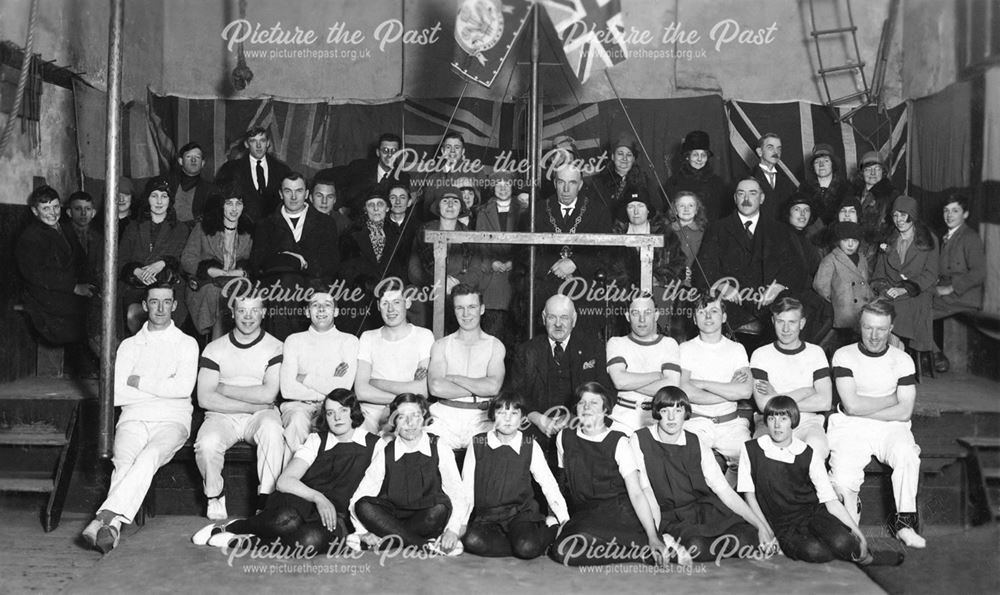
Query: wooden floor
[37, 562]
[159, 558]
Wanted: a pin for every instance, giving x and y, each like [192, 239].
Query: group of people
[829, 243]
[589, 453]
[622, 435]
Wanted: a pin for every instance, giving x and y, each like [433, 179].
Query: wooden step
[26, 484]
[51, 438]
[980, 441]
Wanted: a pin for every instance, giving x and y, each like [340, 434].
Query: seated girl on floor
[502, 517]
[796, 496]
[411, 492]
[310, 506]
[691, 501]
[601, 479]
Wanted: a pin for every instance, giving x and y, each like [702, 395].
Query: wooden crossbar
[441, 239]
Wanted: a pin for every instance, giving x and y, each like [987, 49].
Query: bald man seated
[550, 366]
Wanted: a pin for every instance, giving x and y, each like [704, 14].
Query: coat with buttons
[962, 264]
[845, 285]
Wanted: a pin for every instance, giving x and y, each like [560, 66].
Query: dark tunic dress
[414, 481]
[503, 490]
[335, 473]
[598, 499]
[688, 507]
[785, 492]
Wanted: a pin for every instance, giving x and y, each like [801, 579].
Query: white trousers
[376, 417]
[220, 431]
[854, 440]
[456, 427]
[297, 417]
[141, 448]
[726, 438]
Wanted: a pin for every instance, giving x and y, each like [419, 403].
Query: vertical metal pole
[535, 174]
[105, 437]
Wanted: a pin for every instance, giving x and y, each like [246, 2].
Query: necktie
[747, 226]
[295, 221]
[261, 180]
[771, 178]
[566, 212]
[557, 353]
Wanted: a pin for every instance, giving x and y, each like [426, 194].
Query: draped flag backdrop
[313, 136]
[310, 137]
[802, 125]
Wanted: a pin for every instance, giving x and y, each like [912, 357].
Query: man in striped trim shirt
[639, 364]
[877, 389]
[796, 369]
[238, 381]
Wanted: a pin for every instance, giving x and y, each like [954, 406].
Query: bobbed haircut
[346, 398]
[404, 398]
[782, 405]
[594, 388]
[504, 401]
[670, 396]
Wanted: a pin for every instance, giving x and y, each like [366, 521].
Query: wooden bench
[239, 453]
[931, 463]
[50, 360]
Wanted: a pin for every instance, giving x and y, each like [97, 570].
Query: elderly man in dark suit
[258, 174]
[549, 367]
[294, 250]
[752, 250]
[572, 270]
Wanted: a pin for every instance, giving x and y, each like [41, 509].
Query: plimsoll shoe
[90, 533]
[434, 546]
[910, 538]
[107, 538]
[222, 539]
[217, 509]
[202, 536]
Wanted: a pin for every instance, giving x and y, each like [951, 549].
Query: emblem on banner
[479, 27]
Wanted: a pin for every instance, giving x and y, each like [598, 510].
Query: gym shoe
[217, 509]
[222, 539]
[107, 538]
[353, 542]
[910, 538]
[206, 532]
[882, 558]
[434, 546]
[90, 533]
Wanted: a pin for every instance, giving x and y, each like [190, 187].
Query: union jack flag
[591, 31]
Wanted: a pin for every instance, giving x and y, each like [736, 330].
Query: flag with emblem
[485, 32]
[592, 33]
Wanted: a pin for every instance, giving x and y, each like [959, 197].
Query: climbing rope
[22, 81]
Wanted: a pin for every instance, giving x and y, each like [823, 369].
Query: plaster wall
[680, 48]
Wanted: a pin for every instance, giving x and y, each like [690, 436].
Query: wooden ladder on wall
[866, 94]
